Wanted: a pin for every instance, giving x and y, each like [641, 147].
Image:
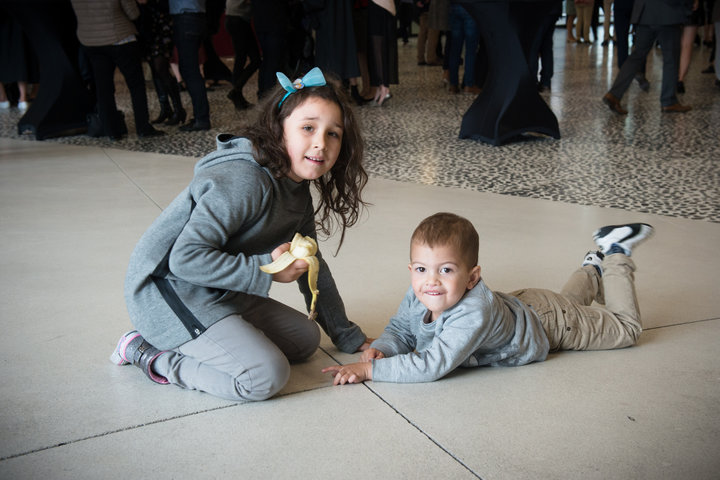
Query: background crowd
[355, 40]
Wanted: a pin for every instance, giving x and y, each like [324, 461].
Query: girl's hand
[370, 354]
[293, 271]
[365, 345]
[353, 373]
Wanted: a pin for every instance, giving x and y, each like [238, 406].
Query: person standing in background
[189, 30]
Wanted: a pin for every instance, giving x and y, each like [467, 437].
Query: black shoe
[150, 131]
[709, 69]
[355, 94]
[176, 118]
[195, 126]
[165, 113]
[680, 87]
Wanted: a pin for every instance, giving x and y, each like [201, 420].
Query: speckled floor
[647, 161]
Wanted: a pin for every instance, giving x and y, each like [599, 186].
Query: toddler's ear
[474, 277]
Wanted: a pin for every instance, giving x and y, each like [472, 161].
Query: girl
[194, 289]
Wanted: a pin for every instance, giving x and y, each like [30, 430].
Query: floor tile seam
[680, 324]
[409, 421]
[417, 427]
[118, 430]
[129, 177]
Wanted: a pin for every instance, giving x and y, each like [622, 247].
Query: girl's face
[313, 138]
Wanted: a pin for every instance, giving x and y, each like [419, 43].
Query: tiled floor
[71, 210]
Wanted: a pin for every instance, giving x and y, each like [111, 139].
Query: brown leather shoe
[676, 108]
[614, 103]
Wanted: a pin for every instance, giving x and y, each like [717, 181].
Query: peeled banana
[301, 248]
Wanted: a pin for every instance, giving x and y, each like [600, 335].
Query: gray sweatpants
[572, 323]
[243, 357]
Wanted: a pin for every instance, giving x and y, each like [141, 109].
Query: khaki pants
[572, 323]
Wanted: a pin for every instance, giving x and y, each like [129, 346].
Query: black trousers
[127, 58]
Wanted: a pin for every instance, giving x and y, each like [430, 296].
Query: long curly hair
[339, 189]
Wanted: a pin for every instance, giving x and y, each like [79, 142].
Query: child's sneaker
[621, 238]
[132, 348]
[594, 258]
[121, 353]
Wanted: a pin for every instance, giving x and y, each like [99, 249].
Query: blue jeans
[463, 31]
[188, 33]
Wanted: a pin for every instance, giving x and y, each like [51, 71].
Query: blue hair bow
[314, 78]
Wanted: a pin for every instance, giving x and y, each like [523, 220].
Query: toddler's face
[313, 138]
[439, 277]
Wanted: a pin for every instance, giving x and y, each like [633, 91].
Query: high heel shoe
[165, 113]
[177, 117]
[382, 101]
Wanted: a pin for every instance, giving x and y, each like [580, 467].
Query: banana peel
[301, 248]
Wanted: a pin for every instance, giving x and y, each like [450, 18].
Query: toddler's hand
[370, 354]
[353, 373]
[366, 344]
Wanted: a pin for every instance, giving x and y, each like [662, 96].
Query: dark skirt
[382, 47]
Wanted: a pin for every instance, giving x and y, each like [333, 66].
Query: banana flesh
[301, 248]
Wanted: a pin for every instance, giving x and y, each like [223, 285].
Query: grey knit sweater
[105, 22]
[218, 232]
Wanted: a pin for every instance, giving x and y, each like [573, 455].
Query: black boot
[165, 112]
[179, 114]
[238, 99]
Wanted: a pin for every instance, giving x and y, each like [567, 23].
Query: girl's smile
[313, 137]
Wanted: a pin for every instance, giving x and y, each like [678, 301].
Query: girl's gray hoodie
[208, 244]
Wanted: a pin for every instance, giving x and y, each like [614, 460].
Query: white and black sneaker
[621, 238]
[594, 258]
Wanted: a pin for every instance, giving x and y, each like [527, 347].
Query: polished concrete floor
[71, 210]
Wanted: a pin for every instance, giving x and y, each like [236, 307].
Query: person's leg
[669, 38]
[570, 12]
[127, 57]
[622, 32]
[456, 44]
[422, 39]
[584, 286]
[607, 15]
[686, 48]
[572, 323]
[103, 73]
[546, 56]
[644, 40]
[188, 32]
[252, 53]
[587, 23]
[243, 357]
[717, 52]
[471, 47]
